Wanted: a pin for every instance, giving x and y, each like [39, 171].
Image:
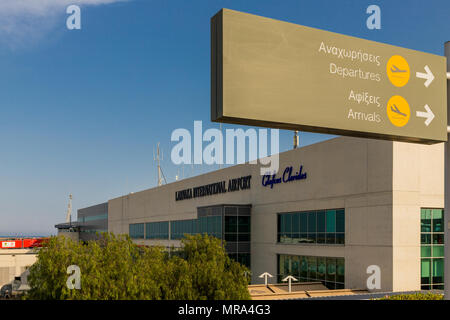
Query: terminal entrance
[235, 229]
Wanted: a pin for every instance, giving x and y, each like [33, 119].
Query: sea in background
[23, 235]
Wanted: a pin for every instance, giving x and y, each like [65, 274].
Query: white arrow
[429, 115]
[265, 275]
[428, 76]
[289, 278]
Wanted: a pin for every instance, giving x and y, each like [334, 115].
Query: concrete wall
[13, 263]
[381, 185]
[418, 182]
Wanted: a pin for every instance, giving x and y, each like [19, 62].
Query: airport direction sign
[270, 73]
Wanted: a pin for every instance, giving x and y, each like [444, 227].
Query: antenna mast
[160, 173]
[296, 140]
[69, 210]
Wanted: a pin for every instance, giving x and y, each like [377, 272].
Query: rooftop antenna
[160, 172]
[296, 139]
[69, 210]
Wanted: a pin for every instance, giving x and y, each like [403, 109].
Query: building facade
[333, 210]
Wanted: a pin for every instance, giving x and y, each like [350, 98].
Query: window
[432, 248]
[157, 230]
[136, 231]
[237, 228]
[95, 218]
[328, 270]
[180, 228]
[210, 225]
[321, 226]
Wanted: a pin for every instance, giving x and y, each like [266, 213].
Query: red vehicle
[21, 243]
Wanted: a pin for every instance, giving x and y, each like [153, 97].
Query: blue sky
[81, 111]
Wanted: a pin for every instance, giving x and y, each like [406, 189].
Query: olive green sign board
[276, 74]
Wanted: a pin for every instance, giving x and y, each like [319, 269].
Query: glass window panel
[303, 267]
[340, 221]
[244, 237]
[331, 269]
[303, 222]
[331, 238]
[287, 265]
[279, 218]
[311, 238]
[312, 222]
[231, 224]
[321, 237]
[438, 220]
[438, 251]
[425, 271]
[303, 238]
[295, 266]
[425, 238]
[232, 237]
[296, 223]
[425, 251]
[312, 268]
[438, 270]
[426, 221]
[220, 219]
[340, 238]
[244, 224]
[281, 263]
[340, 270]
[320, 221]
[438, 239]
[283, 223]
[288, 223]
[196, 226]
[244, 258]
[321, 268]
[296, 238]
[216, 224]
[331, 221]
[210, 225]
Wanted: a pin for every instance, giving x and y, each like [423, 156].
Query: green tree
[113, 268]
[214, 275]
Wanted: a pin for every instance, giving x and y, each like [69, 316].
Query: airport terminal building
[333, 209]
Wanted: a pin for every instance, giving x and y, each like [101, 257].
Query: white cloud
[27, 21]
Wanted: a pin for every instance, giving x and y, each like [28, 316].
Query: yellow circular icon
[398, 71]
[398, 111]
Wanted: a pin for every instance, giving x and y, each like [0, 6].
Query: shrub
[114, 268]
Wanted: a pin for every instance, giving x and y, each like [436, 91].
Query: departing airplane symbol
[396, 69]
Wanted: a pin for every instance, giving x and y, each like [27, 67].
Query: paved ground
[369, 296]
